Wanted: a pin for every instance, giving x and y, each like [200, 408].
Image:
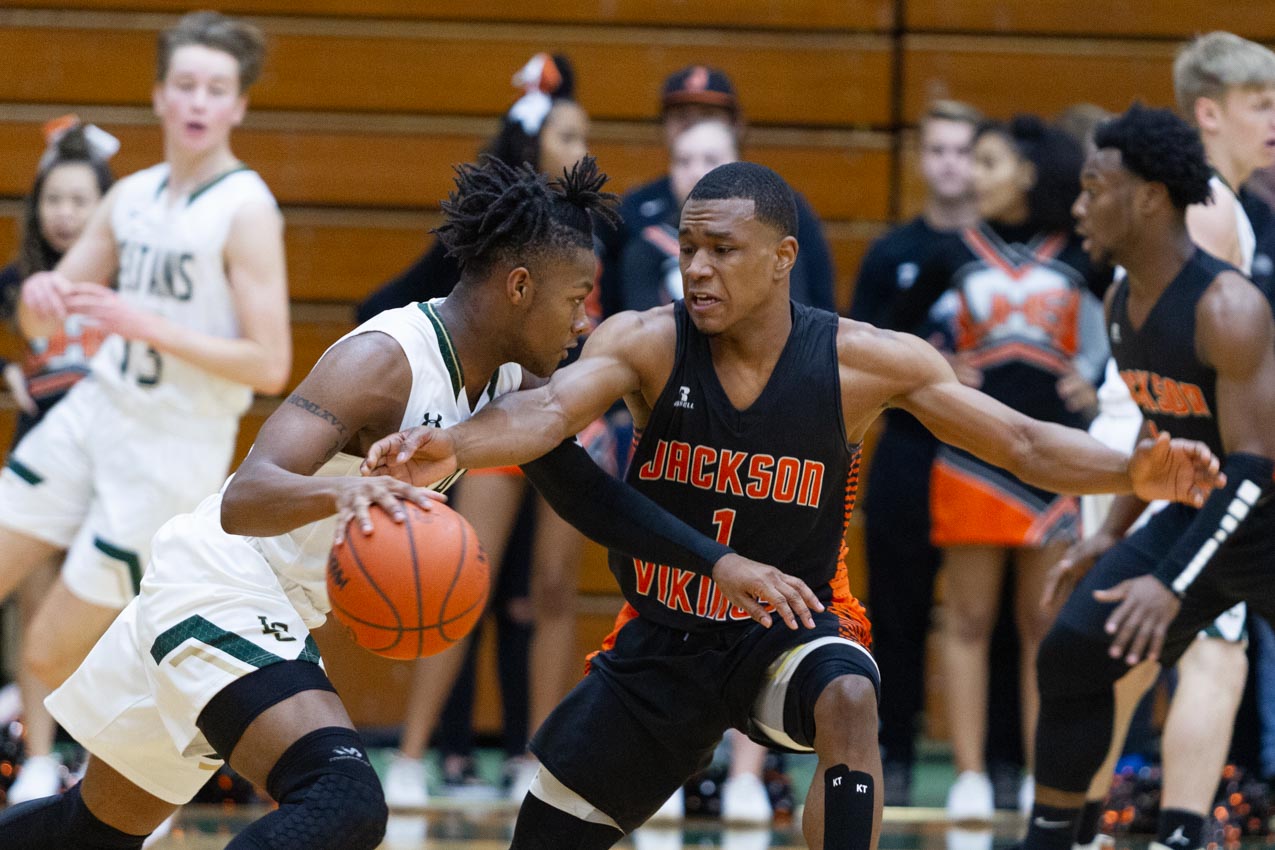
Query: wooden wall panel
[1002, 76]
[457, 69]
[1099, 18]
[871, 15]
[845, 176]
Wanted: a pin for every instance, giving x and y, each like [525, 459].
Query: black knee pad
[541, 826]
[231, 709]
[56, 823]
[329, 796]
[1070, 662]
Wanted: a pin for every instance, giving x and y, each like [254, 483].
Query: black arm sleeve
[1248, 479]
[612, 513]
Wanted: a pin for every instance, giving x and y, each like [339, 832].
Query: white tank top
[437, 398]
[1222, 193]
[172, 263]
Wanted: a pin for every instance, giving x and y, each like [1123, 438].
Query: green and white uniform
[215, 607]
[146, 435]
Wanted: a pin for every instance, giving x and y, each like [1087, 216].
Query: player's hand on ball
[1142, 618]
[1175, 470]
[750, 585]
[1072, 567]
[359, 494]
[421, 456]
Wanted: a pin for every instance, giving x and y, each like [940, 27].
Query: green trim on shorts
[310, 652]
[129, 558]
[199, 629]
[24, 472]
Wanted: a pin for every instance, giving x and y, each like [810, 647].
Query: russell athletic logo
[684, 398]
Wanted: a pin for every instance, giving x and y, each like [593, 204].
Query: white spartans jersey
[438, 398]
[171, 263]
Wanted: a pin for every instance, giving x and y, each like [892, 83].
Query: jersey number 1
[724, 519]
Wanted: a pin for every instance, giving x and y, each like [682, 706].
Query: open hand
[1078, 393]
[1176, 470]
[359, 494]
[421, 456]
[109, 311]
[1072, 567]
[44, 294]
[1141, 620]
[748, 584]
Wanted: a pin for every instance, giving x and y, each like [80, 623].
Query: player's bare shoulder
[878, 366]
[642, 339]
[1232, 317]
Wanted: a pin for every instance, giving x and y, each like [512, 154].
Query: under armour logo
[279, 630]
[684, 398]
[433, 421]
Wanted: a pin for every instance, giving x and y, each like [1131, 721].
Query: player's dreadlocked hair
[1160, 147]
[500, 213]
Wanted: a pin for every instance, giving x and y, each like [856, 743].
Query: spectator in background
[689, 96]
[547, 129]
[1079, 121]
[1029, 333]
[70, 180]
[902, 564]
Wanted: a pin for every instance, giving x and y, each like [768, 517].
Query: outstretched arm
[1053, 457]
[522, 426]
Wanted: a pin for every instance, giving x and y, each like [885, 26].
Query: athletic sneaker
[460, 780]
[745, 801]
[1101, 841]
[674, 808]
[518, 775]
[405, 783]
[39, 776]
[1026, 795]
[970, 798]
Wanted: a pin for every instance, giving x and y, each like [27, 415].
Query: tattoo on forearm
[319, 411]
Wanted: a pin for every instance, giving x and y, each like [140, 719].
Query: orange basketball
[409, 589]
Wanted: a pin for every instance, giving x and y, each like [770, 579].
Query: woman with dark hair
[70, 180]
[1027, 330]
[547, 130]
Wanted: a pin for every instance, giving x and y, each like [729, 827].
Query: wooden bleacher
[365, 104]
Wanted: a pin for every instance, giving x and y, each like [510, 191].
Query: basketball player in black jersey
[752, 410]
[1195, 342]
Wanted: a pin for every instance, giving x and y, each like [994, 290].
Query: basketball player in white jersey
[200, 321]
[1225, 87]
[213, 659]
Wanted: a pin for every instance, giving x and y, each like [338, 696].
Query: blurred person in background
[71, 179]
[182, 264]
[1029, 332]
